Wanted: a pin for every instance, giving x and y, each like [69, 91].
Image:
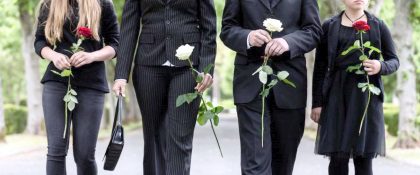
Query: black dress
[338, 131]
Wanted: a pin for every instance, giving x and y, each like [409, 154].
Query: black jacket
[165, 25]
[89, 76]
[326, 53]
[302, 30]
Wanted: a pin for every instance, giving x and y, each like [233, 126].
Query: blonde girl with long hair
[58, 21]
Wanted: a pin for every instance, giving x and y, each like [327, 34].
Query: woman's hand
[119, 87]
[60, 60]
[316, 114]
[372, 67]
[82, 58]
[206, 83]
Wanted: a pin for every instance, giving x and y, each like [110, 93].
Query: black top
[346, 38]
[164, 27]
[327, 52]
[89, 76]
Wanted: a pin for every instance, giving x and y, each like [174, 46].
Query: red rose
[85, 32]
[361, 26]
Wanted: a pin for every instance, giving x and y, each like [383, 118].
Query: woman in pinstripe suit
[159, 77]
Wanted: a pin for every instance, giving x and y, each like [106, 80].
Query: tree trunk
[406, 76]
[376, 7]
[2, 121]
[32, 77]
[334, 6]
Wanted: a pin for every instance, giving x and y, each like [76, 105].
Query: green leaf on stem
[208, 68]
[218, 109]
[73, 92]
[375, 90]
[361, 85]
[272, 83]
[374, 49]
[258, 70]
[66, 98]
[66, 73]
[71, 105]
[355, 46]
[199, 78]
[265, 93]
[201, 120]
[209, 104]
[263, 77]
[282, 75]
[73, 99]
[360, 72]
[286, 81]
[186, 98]
[353, 68]
[216, 120]
[55, 72]
[363, 57]
[367, 44]
[268, 70]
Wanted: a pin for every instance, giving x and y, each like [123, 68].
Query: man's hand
[258, 38]
[276, 47]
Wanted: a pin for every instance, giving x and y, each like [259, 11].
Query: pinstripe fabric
[164, 27]
[168, 131]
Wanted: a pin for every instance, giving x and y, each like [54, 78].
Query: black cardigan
[326, 52]
[88, 76]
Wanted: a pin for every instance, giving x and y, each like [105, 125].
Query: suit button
[168, 22]
[168, 38]
[167, 7]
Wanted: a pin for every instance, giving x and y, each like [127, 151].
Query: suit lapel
[266, 4]
[275, 2]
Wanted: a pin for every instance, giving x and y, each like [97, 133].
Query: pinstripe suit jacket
[165, 25]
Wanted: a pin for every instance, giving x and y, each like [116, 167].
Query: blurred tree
[2, 121]
[406, 76]
[27, 20]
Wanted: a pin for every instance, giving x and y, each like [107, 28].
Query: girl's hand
[316, 114]
[80, 59]
[372, 67]
[60, 61]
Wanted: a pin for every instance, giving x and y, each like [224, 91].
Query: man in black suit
[243, 32]
[159, 77]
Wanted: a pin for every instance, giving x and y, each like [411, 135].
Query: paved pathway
[205, 161]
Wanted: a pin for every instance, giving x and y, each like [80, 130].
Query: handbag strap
[118, 113]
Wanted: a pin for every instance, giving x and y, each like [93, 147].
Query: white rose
[184, 52]
[273, 25]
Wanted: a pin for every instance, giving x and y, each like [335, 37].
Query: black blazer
[302, 30]
[89, 76]
[165, 25]
[326, 53]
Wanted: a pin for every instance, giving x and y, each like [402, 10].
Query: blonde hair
[58, 11]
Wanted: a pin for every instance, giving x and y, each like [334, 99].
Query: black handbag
[116, 143]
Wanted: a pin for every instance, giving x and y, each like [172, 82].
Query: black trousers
[168, 130]
[85, 119]
[283, 132]
[340, 166]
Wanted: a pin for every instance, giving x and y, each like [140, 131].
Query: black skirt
[338, 131]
